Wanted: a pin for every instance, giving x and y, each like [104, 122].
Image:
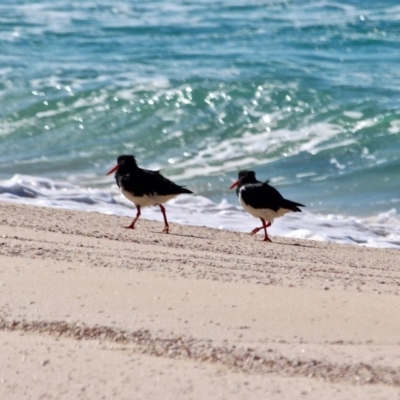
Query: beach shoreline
[198, 313]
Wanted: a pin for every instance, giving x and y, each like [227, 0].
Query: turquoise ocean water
[305, 93]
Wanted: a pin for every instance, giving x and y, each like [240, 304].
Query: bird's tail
[292, 205]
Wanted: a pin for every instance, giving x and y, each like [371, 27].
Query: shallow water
[306, 94]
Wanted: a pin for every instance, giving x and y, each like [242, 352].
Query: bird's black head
[246, 176]
[127, 161]
[125, 164]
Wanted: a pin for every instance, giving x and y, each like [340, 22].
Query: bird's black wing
[146, 182]
[263, 195]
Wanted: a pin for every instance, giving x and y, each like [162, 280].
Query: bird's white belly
[147, 200]
[264, 213]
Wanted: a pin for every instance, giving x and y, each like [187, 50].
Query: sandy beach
[89, 310]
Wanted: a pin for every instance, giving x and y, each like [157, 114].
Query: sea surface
[306, 93]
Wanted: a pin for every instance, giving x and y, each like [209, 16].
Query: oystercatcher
[144, 187]
[261, 200]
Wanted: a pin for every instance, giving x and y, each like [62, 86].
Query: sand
[89, 310]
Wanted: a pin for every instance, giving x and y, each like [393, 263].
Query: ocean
[304, 93]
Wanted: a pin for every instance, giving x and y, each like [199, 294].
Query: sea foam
[381, 230]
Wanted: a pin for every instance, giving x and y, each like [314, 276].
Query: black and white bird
[261, 200]
[144, 187]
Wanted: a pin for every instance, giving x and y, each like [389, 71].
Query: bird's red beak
[113, 169]
[234, 184]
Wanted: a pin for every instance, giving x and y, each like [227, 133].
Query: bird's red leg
[132, 225]
[255, 230]
[166, 226]
[265, 226]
